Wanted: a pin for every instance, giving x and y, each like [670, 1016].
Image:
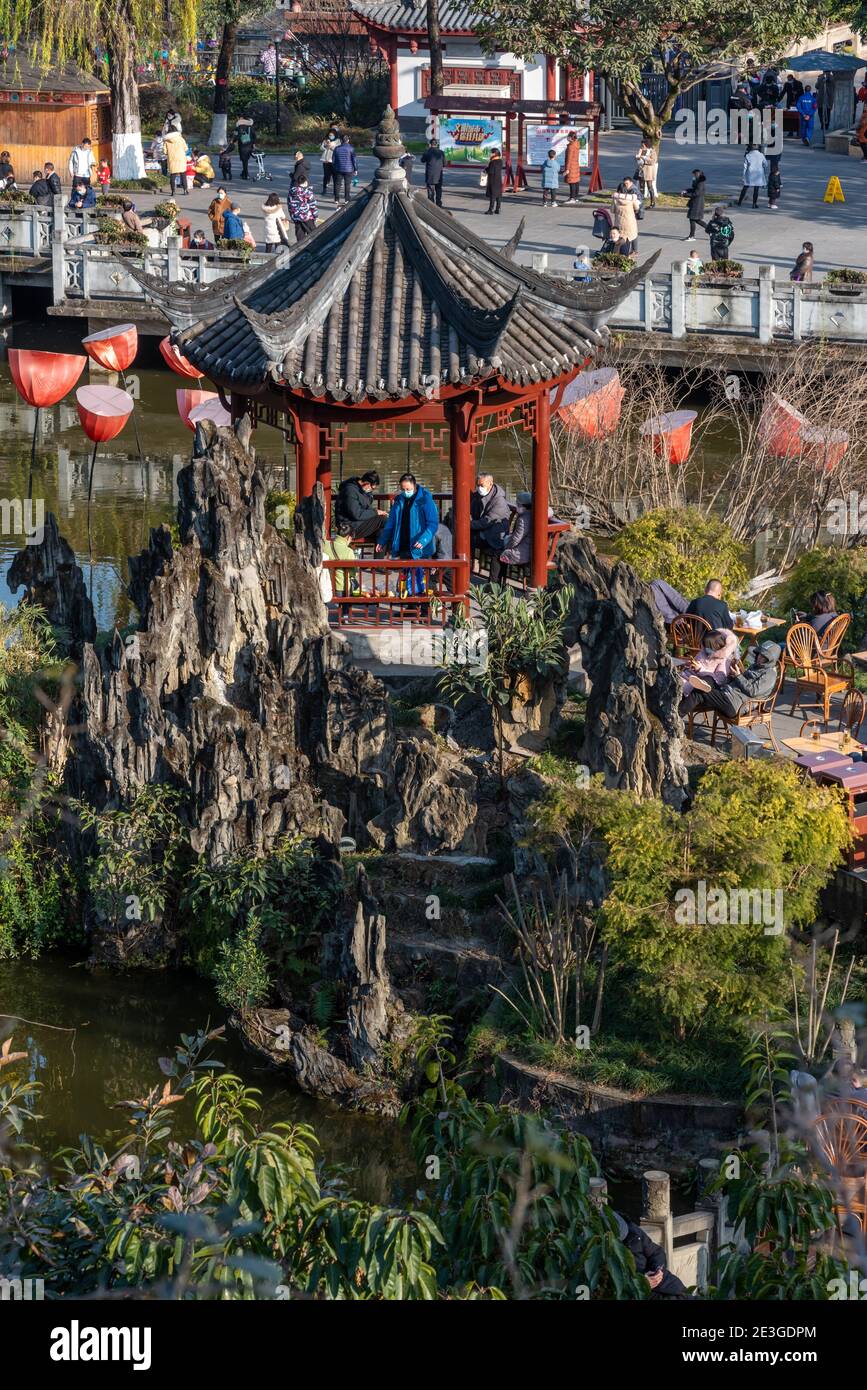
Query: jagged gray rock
[633, 733]
[363, 970]
[55, 582]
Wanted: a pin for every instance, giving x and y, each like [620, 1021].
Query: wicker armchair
[815, 672]
[688, 630]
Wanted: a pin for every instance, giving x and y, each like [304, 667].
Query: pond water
[122, 1024]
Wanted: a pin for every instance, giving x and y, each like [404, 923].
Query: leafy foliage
[133, 874]
[841, 572]
[241, 974]
[684, 547]
[31, 891]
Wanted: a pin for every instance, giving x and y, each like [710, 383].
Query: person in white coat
[276, 223]
[755, 176]
[82, 161]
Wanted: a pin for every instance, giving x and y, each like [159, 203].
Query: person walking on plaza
[494, 182]
[775, 183]
[648, 171]
[345, 167]
[225, 162]
[806, 105]
[82, 161]
[299, 168]
[625, 205]
[695, 204]
[302, 209]
[755, 175]
[550, 179]
[802, 270]
[217, 209]
[433, 160]
[861, 132]
[276, 223]
[245, 138]
[572, 166]
[233, 224]
[176, 158]
[721, 233]
[326, 154]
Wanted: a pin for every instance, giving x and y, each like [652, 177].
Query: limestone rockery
[234, 690]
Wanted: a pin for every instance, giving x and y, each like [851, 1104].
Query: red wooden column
[541, 466]
[392, 72]
[550, 79]
[306, 455]
[461, 450]
[323, 472]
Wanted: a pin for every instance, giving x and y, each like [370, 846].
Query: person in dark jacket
[434, 160]
[406, 164]
[711, 606]
[490, 514]
[39, 190]
[824, 611]
[826, 90]
[233, 225]
[52, 178]
[82, 196]
[299, 168]
[245, 136]
[792, 89]
[410, 531]
[343, 168]
[756, 681]
[721, 233]
[802, 270]
[695, 204]
[495, 182]
[354, 506]
[649, 1260]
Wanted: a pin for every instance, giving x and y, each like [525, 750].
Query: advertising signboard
[469, 139]
[542, 138]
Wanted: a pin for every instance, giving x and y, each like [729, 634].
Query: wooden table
[757, 631]
[831, 742]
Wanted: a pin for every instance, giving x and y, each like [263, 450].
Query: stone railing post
[766, 303]
[678, 299]
[173, 258]
[58, 218]
[656, 1209]
[540, 262]
[58, 268]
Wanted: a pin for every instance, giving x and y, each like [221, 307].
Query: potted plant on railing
[165, 216]
[14, 198]
[609, 264]
[721, 272]
[110, 232]
[237, 244]
[845, 281]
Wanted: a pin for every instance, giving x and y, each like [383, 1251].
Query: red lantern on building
[212, 410]
[42, 379]
[671, 434]
[177, 361]
[591, 403]
[188, 399]
[113, 348]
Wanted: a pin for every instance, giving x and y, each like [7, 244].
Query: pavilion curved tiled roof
[390, 298]
[454, 17]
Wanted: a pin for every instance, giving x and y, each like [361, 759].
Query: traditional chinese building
[45, 112]
[395, 320]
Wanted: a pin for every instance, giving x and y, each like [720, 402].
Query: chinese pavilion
[393, 315]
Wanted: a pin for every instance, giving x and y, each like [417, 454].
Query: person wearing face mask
[490, 515]
[410, 530]
[217, 209]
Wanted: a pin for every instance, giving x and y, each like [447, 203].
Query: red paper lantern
[103, 411]
[177, 361]
[781, 427]
[671, 434]
[213, 410]
[827, 447]
[591, 403]
[188, 399]
[44, 378]
[113, 348]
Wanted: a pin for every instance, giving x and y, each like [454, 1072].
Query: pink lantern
[189, 398]
[671, 434]
[113, 348]
[827, 447]
[44, 378]
[103, 411]
[591, 403]
[177, 361]
[780, 428]
[213, 410]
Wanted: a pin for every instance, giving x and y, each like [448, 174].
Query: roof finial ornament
[389, 150]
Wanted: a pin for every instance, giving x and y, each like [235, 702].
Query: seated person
[712, 606]
[824, 611]
[199, 242]
[518, 543]
[490, 514]
[713, 661]
[611, 245]
[581, 267]
[203, 170]
[669, 602]
[649, 1260]
[130, 218]
[755, 682]
[354, 505]
[444, 549]
[338, 548]
[82, 195]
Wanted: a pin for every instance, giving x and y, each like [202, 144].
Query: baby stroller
[257, 159]
[602, 224]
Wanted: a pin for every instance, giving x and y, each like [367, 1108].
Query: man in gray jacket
[490, 515]
[756, 682]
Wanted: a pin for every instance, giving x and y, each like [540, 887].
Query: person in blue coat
[410, 530]
[806, 107]
[233, 226]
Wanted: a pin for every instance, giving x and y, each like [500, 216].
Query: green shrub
[685, 548]
[32, 894]
[151, 183]
[241, 976]
[732, 270]
[612, 260]
[109, 232]
[845, 275]
[842, 573]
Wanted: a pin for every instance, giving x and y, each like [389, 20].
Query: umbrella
[820, 60]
